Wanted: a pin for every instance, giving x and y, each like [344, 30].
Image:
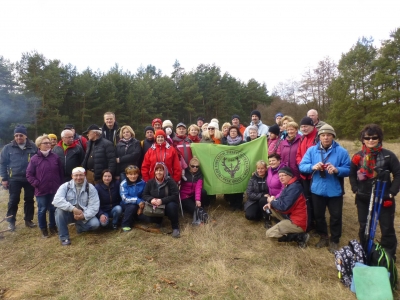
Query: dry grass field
[230, 258]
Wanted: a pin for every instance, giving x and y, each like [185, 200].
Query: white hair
[64, 132]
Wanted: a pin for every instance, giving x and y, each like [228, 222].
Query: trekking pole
[180, 200]
[375, 183]
[377, 210]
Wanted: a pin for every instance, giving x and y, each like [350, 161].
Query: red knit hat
[160, 132]
[157, 120]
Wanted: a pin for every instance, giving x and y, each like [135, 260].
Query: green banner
[227, 169]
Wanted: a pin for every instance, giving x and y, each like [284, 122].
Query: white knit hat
[167, 123]
[213, 124]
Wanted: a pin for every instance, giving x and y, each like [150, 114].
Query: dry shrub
[230, 258]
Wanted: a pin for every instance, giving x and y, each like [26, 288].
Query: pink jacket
[191, 188]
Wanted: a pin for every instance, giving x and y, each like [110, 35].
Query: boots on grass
[45, 233]
[323, 242]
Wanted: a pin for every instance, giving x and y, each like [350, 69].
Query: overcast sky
[270, 41]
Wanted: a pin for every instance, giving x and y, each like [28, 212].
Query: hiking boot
[66, 242]
[303, 239]
[323, 242]
[11, 226]
[115, 227]
[333, 247]
[176, 233]
[53, 230]
[283, 238]
[45, 233]
[30, 224]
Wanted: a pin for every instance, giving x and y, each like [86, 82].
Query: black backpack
[346, 258]
[379, 257]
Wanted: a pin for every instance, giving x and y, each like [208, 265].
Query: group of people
[114, 174]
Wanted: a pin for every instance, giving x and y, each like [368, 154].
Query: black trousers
[189, 204]
[335, 207]
[15, 188]
[255, 211]
[386, 224]
[130, 214]
[235, 200]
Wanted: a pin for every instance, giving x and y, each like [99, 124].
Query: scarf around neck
[234, 141]
[369, 159]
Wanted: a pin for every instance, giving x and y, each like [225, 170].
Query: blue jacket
[332, 184]
[108, 195]
[132, 193]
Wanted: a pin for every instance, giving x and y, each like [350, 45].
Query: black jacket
[108, 195]
[14, 161]
[386, 160]
[256, 189]
[168, 191]
[70, 159]
[130, 155]
[111, 134]
[103, 156]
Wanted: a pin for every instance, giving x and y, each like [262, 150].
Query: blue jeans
[44, 205]
[114, 213]
[63, 218]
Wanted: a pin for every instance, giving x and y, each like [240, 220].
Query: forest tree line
[45, 94]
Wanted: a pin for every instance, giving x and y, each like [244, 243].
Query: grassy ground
[228, 259]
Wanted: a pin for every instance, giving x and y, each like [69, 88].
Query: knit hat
[69, 126]
[307, 121]
[287, 171]
[215, 120]
[180, 125]
[274, 129]
[156, 120]
[278, 115]
[52, 136]
[148, 128]
[167, 123]
[91, 127]
[327, 129]
[20, 129]
[257, 113]
[213, 124]
[200, 119]
[235, 117]
[160, 132]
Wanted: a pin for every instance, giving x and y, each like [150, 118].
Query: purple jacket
[274, 184]
[288, 154]
[45, 174]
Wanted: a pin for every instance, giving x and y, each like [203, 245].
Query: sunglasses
[211, 128]
[368, 138]
[19, 135]
[193, 166]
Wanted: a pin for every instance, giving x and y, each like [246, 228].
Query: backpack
[346, 258]
[379, 257]
[199, 216]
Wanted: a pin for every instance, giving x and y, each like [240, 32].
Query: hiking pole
[375, 184]
[377, 211]
[180, 200]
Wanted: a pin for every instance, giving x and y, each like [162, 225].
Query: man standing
[70, 152]
[290, 209]
[14, 160]
[256, 121]
[81, 139]
[313, 114]
[76, 202]
[110, 128]
[236, 122]
[200, 122]
[328, 163]
[100, 155]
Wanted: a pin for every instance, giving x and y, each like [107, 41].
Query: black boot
[283, 238]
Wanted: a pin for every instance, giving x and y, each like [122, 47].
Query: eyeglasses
[211, 128]
[368, 138]
[68, 137]
[46, 143]
[19, 135]
[193, 166]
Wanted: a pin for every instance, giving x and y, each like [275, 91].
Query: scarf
[45, 153]
[368, 160]
[126, 142]
[234, 141]
[194, 139]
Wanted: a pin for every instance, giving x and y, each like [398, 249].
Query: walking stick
[180, 201]
[377, 211]
[375, 184]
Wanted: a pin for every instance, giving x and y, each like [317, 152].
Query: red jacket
[161, 153]
[306, 142]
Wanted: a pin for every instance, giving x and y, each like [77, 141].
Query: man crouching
[77, 202]
[291, 209]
